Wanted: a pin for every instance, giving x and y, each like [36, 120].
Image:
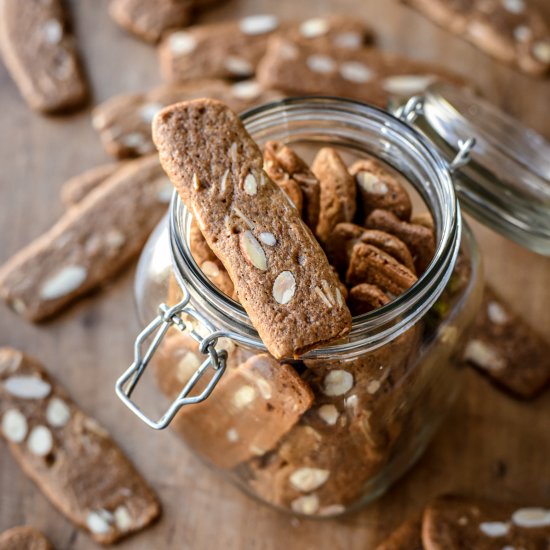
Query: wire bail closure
[172, 317]
[413, 109]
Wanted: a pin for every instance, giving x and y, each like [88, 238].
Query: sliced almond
[250, 184]
[268, 238]
[497, 314]
[371, 184]
[308, 504]
[182, 43]
[99, 522]
[57, 413]
[27, 387]
[123, 519]
[531, 517]
[210, 269]
[308, 479]
[321, 64]
[312, 28]
[258, 24]
[243, 397]
[284, 287]
[64, 282]
[14, 426]
[329, 413]
[484, 356]
[252, 250]
[337, 382]
[40, 442]
[356, 72]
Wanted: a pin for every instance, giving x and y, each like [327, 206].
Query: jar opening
[357, 128]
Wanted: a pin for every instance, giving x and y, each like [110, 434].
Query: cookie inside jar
[341, 429]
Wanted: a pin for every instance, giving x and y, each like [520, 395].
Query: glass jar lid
[506, 184]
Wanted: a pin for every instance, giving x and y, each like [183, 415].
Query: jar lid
[506, 184]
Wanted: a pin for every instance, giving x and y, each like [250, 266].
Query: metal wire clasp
[169, 317]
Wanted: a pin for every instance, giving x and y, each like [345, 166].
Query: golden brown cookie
[24, 538]
[366, 297]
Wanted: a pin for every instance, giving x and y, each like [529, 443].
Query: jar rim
[370, 330]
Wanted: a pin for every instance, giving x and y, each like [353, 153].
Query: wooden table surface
[490, 445]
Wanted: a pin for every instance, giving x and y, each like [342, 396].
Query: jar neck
[361, 129]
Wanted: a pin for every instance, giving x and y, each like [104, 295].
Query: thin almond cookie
[419, 239]
[70, 457]
[512, 31]
[464, 523]
[216, 50]
[373, 266]
[91, 243]
[366, 74]
[253, 407]
[77, 187]
[123, 122]
[150, 19]
[345, 236]
[365, 297]
[381, 187]
[337, 200]
[280, 273]
[40, 54]
[507, 349]
[283, 164]
[24, 538]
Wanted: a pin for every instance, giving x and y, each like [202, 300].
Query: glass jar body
[326, 434]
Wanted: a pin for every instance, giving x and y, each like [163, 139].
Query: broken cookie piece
[280, 273]
[507, 349]
[69, 456]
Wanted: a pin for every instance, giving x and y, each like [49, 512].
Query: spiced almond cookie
[366, 297]
[460, 523]
[71, 458]
[24, 538]
[337, 200]
[40, 54]
[280, 273]
[371, 265]
[507, 349]
[291, 173]
[419, 239]
[216, 50]
[367, 74]
[513, 31]
[124, 121]
[345, 236]
[252, 408]
[337, 31]
[209, 263]
[90, 244]
[408, 536]
[77, 187]
[380, 186]
[150, 19]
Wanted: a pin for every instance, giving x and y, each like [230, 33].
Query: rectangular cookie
[216, 50]
[271, 256]
[507, 349]
[90, 243]
[123, 122]
[40, 54]
[24, 538]
[150, 19]
[71, 458]
[453, 521]
[251, 409]
[512, 31]
[77, 187]
[367, 74]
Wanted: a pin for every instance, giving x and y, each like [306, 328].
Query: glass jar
[378, 395]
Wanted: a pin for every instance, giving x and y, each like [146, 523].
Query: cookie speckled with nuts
[90, 244]
[71, 458]
[338, 194]
[253, 407]
[507, 349]
[219, 50]
[77, 187]
[381, 187]
[419, 239]
[464, 523]
[150, 19]
[294, 176]
[40, 54]
[512, 31]
[124, 121]
[24, 538]
[280, 273]
[408, 536]
[367, 74]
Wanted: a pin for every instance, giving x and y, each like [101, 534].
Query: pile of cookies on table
[111, 210]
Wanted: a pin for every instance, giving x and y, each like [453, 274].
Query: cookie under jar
[375, 398]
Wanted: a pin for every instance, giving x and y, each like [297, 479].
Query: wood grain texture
[490, 446]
